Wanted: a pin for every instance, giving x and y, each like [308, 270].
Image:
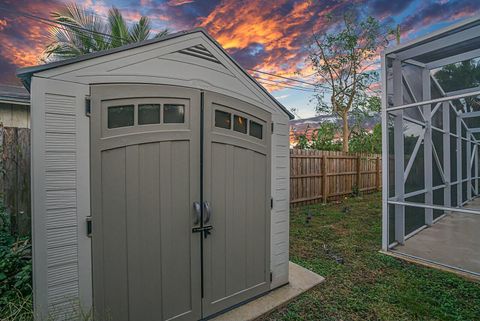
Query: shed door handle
[207, 211]
[197, 209]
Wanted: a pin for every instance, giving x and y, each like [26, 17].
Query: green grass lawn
[341, 243]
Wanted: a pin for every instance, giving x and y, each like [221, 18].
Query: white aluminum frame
[393, 61]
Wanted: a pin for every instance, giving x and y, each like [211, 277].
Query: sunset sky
[267, 35]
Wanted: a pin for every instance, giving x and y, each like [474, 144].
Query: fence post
[358, 172]
[377, 175]
[324, 178]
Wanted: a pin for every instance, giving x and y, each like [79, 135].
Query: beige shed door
[157, 256]
[145, 177]
[237, 185]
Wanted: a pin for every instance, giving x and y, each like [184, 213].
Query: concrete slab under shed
[300, 281]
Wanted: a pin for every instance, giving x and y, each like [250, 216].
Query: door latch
[204, 229]
[89, 226]
[88, 106]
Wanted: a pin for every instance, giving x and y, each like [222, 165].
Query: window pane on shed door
[240, 124]
[148, 114]
[223, 119]
[256, 130]
[173, 113]
[120, 116]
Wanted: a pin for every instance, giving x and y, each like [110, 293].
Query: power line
[264, 82]
[283, 83]
[279, 76]
[291, 79]
[285, 86]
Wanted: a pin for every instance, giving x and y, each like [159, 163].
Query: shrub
[15, 273]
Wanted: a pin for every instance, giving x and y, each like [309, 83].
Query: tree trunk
[345, 132]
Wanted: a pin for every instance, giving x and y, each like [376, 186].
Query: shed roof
[14, 94]
[25, 74]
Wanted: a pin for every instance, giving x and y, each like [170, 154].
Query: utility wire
[288, 78]
[285, 87]
[292, 79]
[280, 83]
[283, 83]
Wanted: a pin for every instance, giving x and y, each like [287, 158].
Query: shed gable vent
[199, 51]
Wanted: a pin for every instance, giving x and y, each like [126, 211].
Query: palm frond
[81, 31]
[140, 31]
[118, 28]
[162, 33]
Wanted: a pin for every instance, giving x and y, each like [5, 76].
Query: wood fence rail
[15, 177]
[321, 176]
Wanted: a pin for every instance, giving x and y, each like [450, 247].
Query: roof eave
[14, 100]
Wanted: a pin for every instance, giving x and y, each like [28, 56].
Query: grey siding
[60, 187]
[58, 248]
[281, 206]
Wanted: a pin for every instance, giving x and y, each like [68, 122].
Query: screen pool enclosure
[159, 183]
[431, 137]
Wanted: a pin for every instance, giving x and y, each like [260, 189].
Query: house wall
[15, 115]
[61, 186]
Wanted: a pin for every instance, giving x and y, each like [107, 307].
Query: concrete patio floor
[454, 241]
[301, 280]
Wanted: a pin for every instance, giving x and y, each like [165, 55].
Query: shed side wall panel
[280, 193]
[60, 199]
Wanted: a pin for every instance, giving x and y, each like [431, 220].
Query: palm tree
[80, 31]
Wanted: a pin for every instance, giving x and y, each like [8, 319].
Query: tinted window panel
[173, 113]
[240, 124]
[148, 114]
[120, 116]
[223, 119]
[256, 130]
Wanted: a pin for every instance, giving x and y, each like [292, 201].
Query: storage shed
[159, 182]
[431, 138]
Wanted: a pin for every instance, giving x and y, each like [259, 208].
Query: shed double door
[180, 197]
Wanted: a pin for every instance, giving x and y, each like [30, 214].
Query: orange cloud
[3, 24]
[175, 3]
[281, 34]
[28, 51]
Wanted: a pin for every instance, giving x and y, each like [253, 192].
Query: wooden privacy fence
[320, 176]
[15, 177]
